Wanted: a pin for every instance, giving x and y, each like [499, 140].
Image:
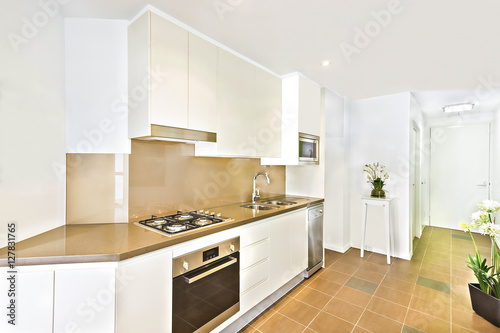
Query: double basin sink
[268, 204]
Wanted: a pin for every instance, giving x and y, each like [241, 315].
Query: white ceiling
[426, 45]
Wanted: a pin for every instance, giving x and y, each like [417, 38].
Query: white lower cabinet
[84, 300]
[288, 250]
[34, 294]
[144, 287]
[254, 265]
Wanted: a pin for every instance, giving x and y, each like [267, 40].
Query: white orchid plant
[484, 221]
[376, 174]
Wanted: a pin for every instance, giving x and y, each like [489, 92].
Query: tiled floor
[353, 294]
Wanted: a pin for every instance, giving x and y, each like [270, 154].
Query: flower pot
[485, 305]
[378, 193]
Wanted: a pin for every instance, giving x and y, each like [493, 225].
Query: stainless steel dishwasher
[315, 239]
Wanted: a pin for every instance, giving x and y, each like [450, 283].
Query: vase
[378, 193]
[485, 305]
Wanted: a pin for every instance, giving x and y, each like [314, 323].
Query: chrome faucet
[255, 193]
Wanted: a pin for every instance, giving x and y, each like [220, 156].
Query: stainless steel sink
[259, 207]
[279, 203]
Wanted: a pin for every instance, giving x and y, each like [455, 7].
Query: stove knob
[206, 212]
[231, 247]
[200, 211]
[218, 214]
[185, 264]
[212, 213]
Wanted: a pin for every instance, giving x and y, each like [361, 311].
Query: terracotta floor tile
[351, 260]
[430, 294]
[343, 268]
[442, 269]
[344, 310]
[426, 323]
[369, 276]
[280, 323]
[325, 323]
[432, 274]
[374, 268]
[325, 286]
[262, 318]
[308, 330]
[379, 259]
[299, 311]
[334, 276]
[314, 298]
[282, 302]
[460, 329]
[376, 323]
[436, 308]
[297, 290]
[388, 309]
[471, 321]
[331, 257]
[393, 295]
[358, 329]
[353, 296]
[403, 275]
[362, 285]
[409, 329]
[247, 329]
[396, 284]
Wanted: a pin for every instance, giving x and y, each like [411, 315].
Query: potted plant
[376, 175]
[486, 293]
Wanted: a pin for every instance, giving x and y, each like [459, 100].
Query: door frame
[414, 177]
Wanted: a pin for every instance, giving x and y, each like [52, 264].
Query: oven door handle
[211, 271]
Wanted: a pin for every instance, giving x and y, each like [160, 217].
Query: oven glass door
[205, 293]
[308, 150]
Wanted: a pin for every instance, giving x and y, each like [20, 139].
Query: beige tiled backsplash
[159, 178]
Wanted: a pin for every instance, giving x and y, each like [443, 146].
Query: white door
[459, 178]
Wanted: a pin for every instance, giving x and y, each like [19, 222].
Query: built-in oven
[206, 287]
[308, 149]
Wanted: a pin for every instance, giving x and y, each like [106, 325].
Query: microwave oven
[308, 149]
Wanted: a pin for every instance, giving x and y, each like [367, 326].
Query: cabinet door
[309, 107]
[267, 114]
[279, 254]
[34, 302]
[138, 296]
[236, 118]
[169, 73]
[84, 300]
[298, 244]
[202, 115]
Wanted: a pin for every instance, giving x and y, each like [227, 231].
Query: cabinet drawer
[254, 296]
[253, 254]
[254, 275]
[254, 234]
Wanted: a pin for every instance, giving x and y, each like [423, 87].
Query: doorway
[416, 226]
[459, 172]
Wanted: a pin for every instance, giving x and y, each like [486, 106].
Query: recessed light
[461, 107]
[325, 63]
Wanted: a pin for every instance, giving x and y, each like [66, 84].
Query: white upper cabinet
[158, 74]
[267, 114]
[301, 112]
[236, 118]
[169, 57]
[248, 111]
[202, 115]
[96, 86]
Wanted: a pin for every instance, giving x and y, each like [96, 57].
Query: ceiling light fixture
[460, 107]
[325, 63]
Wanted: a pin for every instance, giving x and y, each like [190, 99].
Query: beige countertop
[118, 241]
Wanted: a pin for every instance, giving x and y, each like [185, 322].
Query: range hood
[166, 133]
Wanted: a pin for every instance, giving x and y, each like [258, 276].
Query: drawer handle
[211, 271]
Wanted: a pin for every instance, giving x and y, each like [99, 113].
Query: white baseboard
[336, 248]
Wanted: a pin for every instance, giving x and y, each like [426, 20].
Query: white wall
[32, 119]
[96, 86]
[380, 132]
[337, 182]
[417, 122]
